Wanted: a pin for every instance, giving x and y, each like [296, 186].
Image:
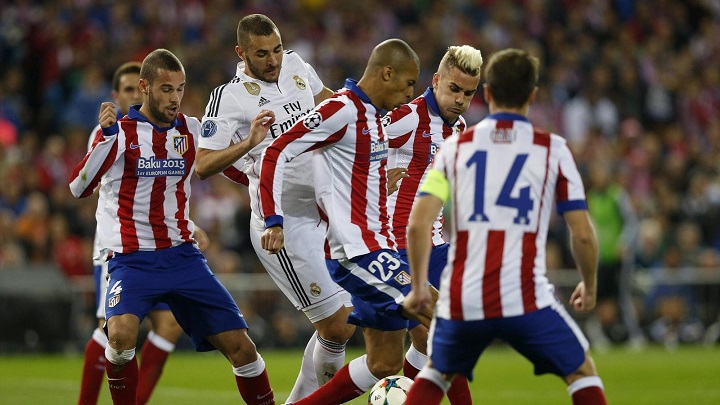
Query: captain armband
[435, 184]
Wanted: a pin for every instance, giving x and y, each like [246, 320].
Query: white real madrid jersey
[233, 106]
[504, 176]
[415, 131]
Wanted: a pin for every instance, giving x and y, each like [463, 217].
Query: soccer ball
[390, 391]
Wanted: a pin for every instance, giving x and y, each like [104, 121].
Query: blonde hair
[466, 58]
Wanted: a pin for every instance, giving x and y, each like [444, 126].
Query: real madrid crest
[299, 82]
[315, 289]
[252, 88]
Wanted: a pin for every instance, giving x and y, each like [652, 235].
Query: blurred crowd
[634, 86]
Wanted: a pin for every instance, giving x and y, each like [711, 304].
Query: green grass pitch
[689, 375]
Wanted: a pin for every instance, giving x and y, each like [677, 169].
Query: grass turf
[690, 375]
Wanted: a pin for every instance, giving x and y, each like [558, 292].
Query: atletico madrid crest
[180, 144]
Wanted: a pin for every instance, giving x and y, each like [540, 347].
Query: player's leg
[299, 271]
[554, 343]
[375, 296]
[429, 386]
[120, 360]
[455, 349]
[94, 358]
[207, 312]
[248, 366]
[584, 385]
[126, 304]
[154, 353]
[384, 357]
[416, 356]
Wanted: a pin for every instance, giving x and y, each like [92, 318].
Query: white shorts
[299, 270]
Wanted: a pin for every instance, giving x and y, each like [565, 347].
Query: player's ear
[387, 73]
[144, 86]
[486, 93]
[239, 52]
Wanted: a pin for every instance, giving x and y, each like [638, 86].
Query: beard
[157, 113]
[260, 74]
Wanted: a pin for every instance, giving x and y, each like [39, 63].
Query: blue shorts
[548, 337]
[100, 273]
[378, 282]
[180, 277]
[438, 260]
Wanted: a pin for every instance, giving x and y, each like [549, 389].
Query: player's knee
[587, 369]
[242, 352]
[119, 357]
[384, 367]
[419, 338]
[338, 332]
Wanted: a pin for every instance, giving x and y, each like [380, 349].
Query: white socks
[436, 377]
[160, 342]
[306, 382]
[415, 358]
[360, 373]
[328, 358]
[99, 336]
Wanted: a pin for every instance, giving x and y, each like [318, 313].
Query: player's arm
[434, 192]
[87, 174]
[209, 161]
[584, 246]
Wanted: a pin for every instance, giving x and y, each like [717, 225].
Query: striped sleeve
[569, 190]
[87, 174]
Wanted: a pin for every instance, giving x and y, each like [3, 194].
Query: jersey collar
[134, 114]
[351, 85]
[508, 117]
[433, 107]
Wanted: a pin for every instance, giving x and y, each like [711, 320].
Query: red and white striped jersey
[503, 175]
[350, 156]
[415, 132]
[143, 172]
[233, 106]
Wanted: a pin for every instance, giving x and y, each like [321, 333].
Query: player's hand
[108, 114]
[273, 239]
[581, 299]
[201, 237]
[418, 301]
[394, 176]
[259, 127]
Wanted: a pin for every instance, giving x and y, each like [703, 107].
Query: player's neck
[520, 111]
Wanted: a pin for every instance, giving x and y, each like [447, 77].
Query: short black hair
[512, 75]
[125, 68]
[254, 24]
[159, 59]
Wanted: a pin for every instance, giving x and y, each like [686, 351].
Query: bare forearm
[211, 162]
[585, 252]
[418, 248]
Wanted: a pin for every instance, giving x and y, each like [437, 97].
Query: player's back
[505, 175]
